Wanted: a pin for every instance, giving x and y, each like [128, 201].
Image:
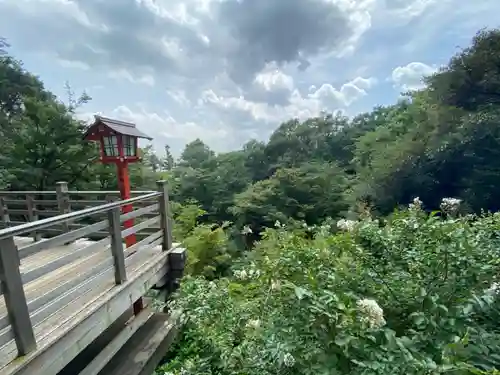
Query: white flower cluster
[253, 323]
[372, 312]
[493, 289]
[450, 205]
[346, 225]
[246, 230]
[416, 205]
[278, 224]
[246, 275]
[288, 360]
[275, 285]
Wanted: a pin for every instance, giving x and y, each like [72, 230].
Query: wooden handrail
[44, 223]
[104, 192]
[76, 192]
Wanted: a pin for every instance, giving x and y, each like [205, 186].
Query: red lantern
[118, 145]
[117, 139]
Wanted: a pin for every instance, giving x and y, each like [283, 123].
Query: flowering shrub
[410, 295]
[346, 225]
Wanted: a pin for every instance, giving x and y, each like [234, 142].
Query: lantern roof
[120, 127]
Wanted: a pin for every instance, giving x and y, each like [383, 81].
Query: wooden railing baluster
[115, 231]
[15, 299]
[4, 212]
[32, 214]
[63, 204]
[165, 217]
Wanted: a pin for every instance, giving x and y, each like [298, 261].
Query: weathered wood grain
[63, 238]
[165, 222]
[15, 299]
[136, 228]
[117, 245]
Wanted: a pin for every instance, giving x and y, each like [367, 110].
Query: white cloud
[349, 92]
[179, 96]
[410, 76]
[73, 64]
[273, 80]
[408, 9]
[123, 74]
[324, 98]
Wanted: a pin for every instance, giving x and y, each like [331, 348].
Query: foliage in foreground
[209, 252]
[409, 295]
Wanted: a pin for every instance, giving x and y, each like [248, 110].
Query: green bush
[408, 295]
[209, 253]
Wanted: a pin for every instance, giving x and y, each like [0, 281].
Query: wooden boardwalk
[61, 293]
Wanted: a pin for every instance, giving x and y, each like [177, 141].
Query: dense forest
[364, 245]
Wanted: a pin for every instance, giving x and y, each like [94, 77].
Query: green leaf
[343, 340]
[300, 292]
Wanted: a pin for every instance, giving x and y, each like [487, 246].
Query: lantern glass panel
[111, 146]
[129, 145]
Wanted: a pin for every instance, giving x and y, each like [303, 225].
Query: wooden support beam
[145, 350]
[108, 352]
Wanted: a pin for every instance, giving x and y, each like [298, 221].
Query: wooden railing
[19, 207]
[21, 315]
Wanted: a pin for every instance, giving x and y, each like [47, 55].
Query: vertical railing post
[15, 299]
[4, 212]
[115, 230]
[176, 262]
[165, 215]
[32, 215]
[63, 202]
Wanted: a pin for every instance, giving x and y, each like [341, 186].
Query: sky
[227, 71]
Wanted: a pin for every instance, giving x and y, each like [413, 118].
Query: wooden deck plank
[41, 313]
[52, 280]
[42, 257]
[49, 288]
[68, 314]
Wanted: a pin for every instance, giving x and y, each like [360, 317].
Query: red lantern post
[119, 146]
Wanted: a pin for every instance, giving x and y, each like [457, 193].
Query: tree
[16, 84]
[168, 162]
[312, 192]
[196, 154]
[439, 141]
[150, 158]
[472, 78]
[45, 146]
